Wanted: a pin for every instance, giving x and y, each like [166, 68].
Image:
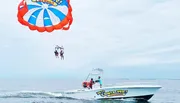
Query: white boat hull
[144, 92]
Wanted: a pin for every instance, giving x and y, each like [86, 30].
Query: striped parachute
[45, 15]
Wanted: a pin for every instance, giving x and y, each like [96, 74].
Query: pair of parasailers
[61, 52]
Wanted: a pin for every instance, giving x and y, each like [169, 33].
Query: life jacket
[86, 84]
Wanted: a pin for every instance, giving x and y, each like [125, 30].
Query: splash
[29, 94]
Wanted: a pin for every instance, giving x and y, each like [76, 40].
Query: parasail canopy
[45, 15]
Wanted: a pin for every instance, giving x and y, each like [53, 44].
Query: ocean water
[49, 91]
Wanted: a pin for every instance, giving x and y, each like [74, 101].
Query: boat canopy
[95, 73]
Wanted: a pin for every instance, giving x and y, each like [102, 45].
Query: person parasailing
[56, 54]
[62, 54]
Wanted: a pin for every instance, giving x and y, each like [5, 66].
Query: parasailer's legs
[62, 57]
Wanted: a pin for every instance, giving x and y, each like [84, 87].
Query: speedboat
[137, 92]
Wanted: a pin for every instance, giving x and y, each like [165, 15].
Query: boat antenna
[89, 75]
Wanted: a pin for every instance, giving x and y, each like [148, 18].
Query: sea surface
[49, 91]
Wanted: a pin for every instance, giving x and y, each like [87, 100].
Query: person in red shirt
[91, 83]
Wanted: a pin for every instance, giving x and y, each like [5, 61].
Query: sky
[126, 38]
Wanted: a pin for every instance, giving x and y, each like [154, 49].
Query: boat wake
[31, 94]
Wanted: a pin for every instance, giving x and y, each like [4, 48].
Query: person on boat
[56, 54]
[99, 81]
[91, 83]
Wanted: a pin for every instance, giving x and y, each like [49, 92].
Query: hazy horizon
[128, 39]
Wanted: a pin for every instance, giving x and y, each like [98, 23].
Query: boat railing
[130, 83]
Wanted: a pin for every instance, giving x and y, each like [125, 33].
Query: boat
[136, 92]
